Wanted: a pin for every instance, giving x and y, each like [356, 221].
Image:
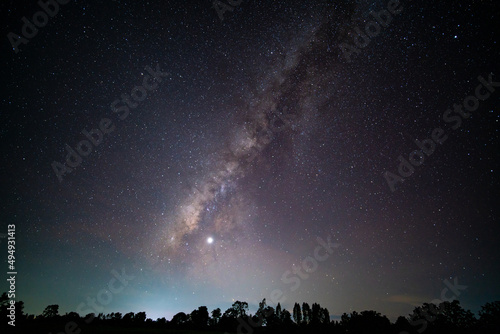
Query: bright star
[210, 240]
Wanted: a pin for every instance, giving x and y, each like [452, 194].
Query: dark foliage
[447, 317]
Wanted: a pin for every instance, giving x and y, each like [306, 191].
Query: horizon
[252, 310]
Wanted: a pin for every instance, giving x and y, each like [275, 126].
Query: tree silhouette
[325, 316]
[128, 318]
[266, 314]
[117, 316]
[200, 317]
[286, 318]
[306, 313]
[261, 310]
[345, 318]
[240, 308]
[216, 314]
[297, 314]
[4, 299]
[453, 314]
[278, 311]
[365, 322]
[89, 317]
[489, 316]
[72, 316]
[229, 319]
[4, 302]
[179, 319]
[140, 317]
[19, 306]
[402, 325]
[51, 311]
[447, 317]
[315, 314]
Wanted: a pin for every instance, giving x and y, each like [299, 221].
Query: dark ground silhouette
[447, 317]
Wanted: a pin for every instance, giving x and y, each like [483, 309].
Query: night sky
[221, 150]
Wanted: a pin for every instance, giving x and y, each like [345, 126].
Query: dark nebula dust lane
[258, 134]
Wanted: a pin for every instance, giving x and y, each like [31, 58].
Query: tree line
[447, 317]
